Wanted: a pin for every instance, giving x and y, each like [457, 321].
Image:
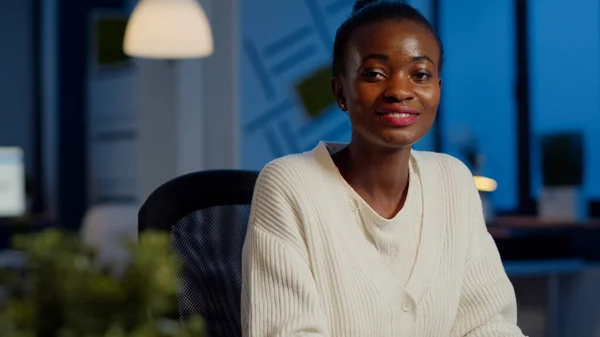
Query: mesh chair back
[206, 214]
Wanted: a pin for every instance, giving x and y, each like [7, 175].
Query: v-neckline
[333, 148]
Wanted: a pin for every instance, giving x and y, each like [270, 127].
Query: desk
[552, 270]
[548, 249]
[529, 238]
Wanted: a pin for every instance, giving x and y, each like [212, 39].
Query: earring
[343, 106]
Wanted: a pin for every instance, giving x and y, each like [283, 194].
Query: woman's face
[390, 84]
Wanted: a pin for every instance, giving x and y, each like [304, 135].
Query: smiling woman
[372, 238]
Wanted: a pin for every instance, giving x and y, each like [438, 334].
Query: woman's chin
[399, 138]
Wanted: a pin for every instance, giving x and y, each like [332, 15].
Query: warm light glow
[485, 184]
[168, 29]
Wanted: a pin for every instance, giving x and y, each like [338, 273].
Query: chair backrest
[207, 215]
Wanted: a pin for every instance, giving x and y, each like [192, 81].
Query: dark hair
[370, 11]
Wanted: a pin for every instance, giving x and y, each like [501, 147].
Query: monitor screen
[12, 182]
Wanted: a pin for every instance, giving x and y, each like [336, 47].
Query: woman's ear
[338, 93]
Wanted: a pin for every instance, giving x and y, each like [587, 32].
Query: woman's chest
[363, 298]
[360, 294]
[361, 304]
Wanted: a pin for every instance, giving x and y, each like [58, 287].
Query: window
[478, 94]
[565, 80]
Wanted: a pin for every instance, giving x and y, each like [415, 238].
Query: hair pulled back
[370, 11]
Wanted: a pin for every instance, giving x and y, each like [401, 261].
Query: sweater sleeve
[488, 306]
[279, 294]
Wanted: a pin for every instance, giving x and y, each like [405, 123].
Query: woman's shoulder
[292, 172]
[285, 169]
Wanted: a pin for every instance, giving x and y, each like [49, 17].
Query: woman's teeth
[398, 115]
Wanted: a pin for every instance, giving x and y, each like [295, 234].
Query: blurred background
[84, 127]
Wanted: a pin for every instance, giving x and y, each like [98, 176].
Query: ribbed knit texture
[318, 261]
[396, 239]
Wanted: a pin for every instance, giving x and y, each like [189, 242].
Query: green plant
[562, 159]
[65, 292]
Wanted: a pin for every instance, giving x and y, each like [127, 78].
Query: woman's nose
[399, 89]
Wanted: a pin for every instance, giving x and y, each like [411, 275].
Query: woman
[372, 238]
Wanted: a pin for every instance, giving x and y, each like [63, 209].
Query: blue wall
[280, 45]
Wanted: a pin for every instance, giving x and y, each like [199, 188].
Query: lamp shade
[485, 184]
[168, 29]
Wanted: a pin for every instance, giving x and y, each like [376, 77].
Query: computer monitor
[12, 182]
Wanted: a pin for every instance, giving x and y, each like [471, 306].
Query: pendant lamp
[168, 29]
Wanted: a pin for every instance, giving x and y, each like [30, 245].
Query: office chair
[207, 215]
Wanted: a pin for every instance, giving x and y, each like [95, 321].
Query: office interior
[87, 129]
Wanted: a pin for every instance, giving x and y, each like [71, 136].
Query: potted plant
[562, 197]
[63, 291]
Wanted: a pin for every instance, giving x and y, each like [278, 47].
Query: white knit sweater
[318, 261]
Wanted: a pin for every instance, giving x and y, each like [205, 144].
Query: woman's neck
[377, 174]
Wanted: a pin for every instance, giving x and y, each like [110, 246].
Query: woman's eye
[372, 75]
[422, 76]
